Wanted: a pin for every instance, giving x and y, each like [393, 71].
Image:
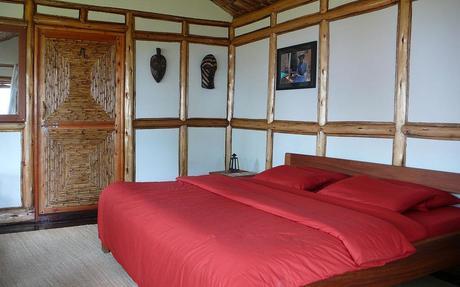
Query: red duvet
[220, 231]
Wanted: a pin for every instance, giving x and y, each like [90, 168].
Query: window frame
[20, 116]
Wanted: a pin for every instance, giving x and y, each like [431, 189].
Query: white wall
[300, 104]
[206, 150]
[435, 62]
[10, 169]
[433, 154]
[363, 149]
[156, 100]
[207, 103]
[192, 8]
[284, 143]
[157, 154]
[251, 80]
[362, 67]
[250, 146]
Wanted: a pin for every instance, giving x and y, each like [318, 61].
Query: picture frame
[296, 66]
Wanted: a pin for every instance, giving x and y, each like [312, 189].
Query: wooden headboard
[447, 181]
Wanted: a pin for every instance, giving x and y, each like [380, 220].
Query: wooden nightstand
[240, 173]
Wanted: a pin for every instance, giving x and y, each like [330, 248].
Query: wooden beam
[207, 122]
[183, 150]
[295, 127]
[323, 80]
[157, 123]
[5, 127]
[368, 129]
[183, 102]
[432, 131]
[402, 80]
[347, 10]
[176, 37]
[75, 23]
[129, 100]
[250, 124]
[136, 13]
[28, 135]
[271, 91]
[230, 95]
[278, 6]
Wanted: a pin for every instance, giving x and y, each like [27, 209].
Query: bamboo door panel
[79, 108]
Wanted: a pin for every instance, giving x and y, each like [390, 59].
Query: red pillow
[305, 178]
[390, 194]
[440, 199]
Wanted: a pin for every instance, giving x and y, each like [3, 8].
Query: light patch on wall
[56, 11]
[297, 12]
[206, 150]
[11, 10]
[152, 25]
[106, 17]
[289, 143]
[336, 3]
[207, 103]
[433, 154]
[250, 146]
[377, 150]
[10, 169]
[157, 157]
[251, 80]
[263, 23]
[157, 100]
[435, 62]
[300, 104]
[362, 67]
[210, 31]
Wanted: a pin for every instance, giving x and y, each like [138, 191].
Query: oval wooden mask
[158, 66]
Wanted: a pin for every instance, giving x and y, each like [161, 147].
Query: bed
[220, 231]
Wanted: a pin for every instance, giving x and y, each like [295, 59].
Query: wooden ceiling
[239, 7]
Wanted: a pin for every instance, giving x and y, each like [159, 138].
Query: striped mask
[208, 70]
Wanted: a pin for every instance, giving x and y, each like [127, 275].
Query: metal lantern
[234, 163]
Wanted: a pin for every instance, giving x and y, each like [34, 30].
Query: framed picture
[296, 67]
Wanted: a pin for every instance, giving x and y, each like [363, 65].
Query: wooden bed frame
[433, 254]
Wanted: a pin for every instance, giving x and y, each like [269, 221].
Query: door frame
[42, 31]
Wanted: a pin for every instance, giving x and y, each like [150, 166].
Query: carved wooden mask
[158, 66]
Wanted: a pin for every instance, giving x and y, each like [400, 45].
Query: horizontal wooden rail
[143, 14]
[76, 23]
[160, 123]
[12, 22]
[11, 127]
[373, 129]
[204, 122]
[196, 21]
[432, 130]
[347, 10]
[176, 37]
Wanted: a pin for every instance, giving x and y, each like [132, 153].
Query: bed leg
[104, 248]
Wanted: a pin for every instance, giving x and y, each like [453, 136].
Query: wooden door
[79, 117]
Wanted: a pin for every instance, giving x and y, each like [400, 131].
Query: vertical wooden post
[323, 80]
[28, 171]
[183, 139]
[402, 80]
[271, 91]
[230, 95]
[129, 99]
[84, 16]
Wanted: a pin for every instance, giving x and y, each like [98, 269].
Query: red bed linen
[438, 221]
[179, 234]
[412, 230]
